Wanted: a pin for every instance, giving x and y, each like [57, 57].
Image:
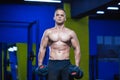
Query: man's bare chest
[59, 36]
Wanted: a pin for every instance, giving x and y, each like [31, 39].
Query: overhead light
[51, 1]
[119, 3]
[112, 8]
[15, 48]
[10, 49]
[100, 12]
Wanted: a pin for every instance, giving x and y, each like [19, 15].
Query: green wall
[80, 26]
[22, 61]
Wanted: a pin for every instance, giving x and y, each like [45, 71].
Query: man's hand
[42, 70]
[75, 72]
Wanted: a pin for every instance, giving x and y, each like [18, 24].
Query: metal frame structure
[29, 48]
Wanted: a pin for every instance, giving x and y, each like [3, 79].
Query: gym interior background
[22, 24]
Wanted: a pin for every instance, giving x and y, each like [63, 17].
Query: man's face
[59, 17]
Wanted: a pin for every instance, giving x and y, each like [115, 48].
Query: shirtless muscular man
[59, 39]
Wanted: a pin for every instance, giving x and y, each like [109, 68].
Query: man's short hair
[60, 9]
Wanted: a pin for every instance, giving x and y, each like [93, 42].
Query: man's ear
[53, 18]
[65, 19]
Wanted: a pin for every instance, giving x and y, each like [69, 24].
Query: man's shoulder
[48, 30]
[70, 30]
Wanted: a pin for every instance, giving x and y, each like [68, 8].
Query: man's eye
[62, 15]
[57, 14]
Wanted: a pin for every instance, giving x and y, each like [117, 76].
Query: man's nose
[59, 16]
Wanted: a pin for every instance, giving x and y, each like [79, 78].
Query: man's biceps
[43, 47]
[45, 40]
[74, 40]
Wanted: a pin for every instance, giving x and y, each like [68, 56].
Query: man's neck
[59, 26]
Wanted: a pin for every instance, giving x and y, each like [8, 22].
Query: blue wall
[24, 13]
[103, 69]
[107, 70]
[11, 34]
[102, 28]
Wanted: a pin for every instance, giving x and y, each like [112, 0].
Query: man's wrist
[77, 65]
[39, 64]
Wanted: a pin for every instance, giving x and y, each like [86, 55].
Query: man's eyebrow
[57, 14]
[60, 13]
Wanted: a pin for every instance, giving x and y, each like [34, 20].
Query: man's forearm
[77, 57]
[40, 61]
[41, 55]
[77, 60]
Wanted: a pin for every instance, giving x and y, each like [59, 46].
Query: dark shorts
[58, 70]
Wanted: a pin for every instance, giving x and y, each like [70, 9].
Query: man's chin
[60, 23]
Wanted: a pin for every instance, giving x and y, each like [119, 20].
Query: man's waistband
[64, 60]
